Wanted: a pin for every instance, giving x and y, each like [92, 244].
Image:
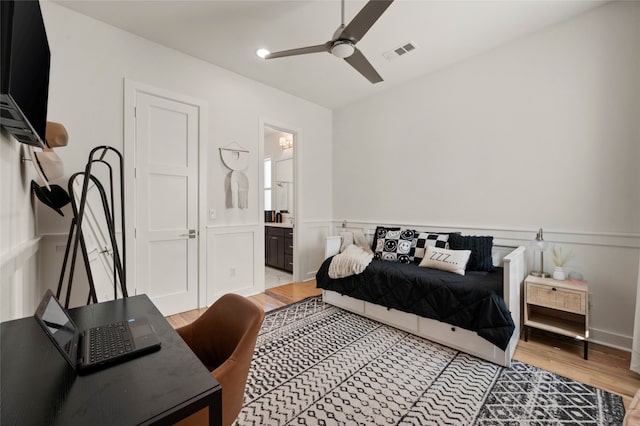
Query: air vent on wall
[403, 49]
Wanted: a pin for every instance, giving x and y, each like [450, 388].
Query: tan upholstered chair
[632, 417]
[224, 338]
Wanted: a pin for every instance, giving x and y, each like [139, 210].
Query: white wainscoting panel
[608, 262]
[234, 255]
[19, 293]
[51, 257]
[311, 247]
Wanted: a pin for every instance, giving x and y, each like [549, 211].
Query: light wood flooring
[607, 368]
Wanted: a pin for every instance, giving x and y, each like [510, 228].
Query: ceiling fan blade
[360, 63]
[300, 51]
[365, 19]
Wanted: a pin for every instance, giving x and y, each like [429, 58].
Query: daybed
[477, 313]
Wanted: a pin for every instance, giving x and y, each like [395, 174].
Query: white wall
[90, 60]
[540, 132]
[18, 243]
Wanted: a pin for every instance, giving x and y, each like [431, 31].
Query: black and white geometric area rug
[316, 364]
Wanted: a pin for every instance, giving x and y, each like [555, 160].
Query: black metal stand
[76, 238]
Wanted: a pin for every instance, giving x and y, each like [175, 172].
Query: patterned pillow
[381, 232]
[424, 240]
[481, 258]
[393, 245]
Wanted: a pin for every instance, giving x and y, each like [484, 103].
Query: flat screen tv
[24, 73]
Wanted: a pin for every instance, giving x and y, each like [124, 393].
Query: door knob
[191, 234]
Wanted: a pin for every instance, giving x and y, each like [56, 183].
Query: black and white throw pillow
[424, 240]
[393, 244]
[381, 232]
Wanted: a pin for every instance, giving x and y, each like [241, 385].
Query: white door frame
[131, 88]
[297, 184]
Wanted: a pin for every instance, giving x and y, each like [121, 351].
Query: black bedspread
[473, 301]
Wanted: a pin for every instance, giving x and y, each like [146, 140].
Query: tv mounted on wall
[24, 74]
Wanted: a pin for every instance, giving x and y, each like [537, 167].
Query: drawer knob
[554, 289]
[453, 329]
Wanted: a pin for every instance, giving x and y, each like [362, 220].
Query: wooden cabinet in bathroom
[288, 249]
[279, 247]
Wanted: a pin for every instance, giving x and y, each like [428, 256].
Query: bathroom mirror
[284, 185]
[279, 181]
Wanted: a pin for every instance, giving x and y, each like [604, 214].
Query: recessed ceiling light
[262, 53]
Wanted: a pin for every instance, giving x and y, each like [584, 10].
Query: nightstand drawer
[557, 298]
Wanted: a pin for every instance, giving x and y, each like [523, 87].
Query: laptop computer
[97, 347]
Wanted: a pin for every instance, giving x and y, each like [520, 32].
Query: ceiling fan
[343, 43]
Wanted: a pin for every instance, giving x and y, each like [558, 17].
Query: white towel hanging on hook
[234, 156]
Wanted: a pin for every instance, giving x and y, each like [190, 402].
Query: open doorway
[279, 206]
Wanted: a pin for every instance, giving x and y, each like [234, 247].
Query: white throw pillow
[446, 260]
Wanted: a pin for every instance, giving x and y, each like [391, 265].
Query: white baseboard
[610, 339]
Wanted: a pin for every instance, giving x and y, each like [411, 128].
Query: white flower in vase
[559, 260]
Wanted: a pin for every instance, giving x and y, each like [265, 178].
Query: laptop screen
[58, 326]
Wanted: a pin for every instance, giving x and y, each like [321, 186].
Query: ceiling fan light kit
[342, 49]
[343, 44]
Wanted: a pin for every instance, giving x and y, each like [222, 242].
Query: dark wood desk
[38, 387]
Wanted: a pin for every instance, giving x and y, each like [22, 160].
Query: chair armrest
[632, 416]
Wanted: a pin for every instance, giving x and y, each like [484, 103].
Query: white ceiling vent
[403, 49]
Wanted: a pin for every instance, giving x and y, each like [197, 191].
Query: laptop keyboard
[109, 341]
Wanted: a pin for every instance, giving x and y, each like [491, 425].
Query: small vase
[558, 273]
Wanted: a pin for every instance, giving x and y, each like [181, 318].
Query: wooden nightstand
[560, 307]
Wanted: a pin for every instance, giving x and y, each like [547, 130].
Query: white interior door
[166, 176]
